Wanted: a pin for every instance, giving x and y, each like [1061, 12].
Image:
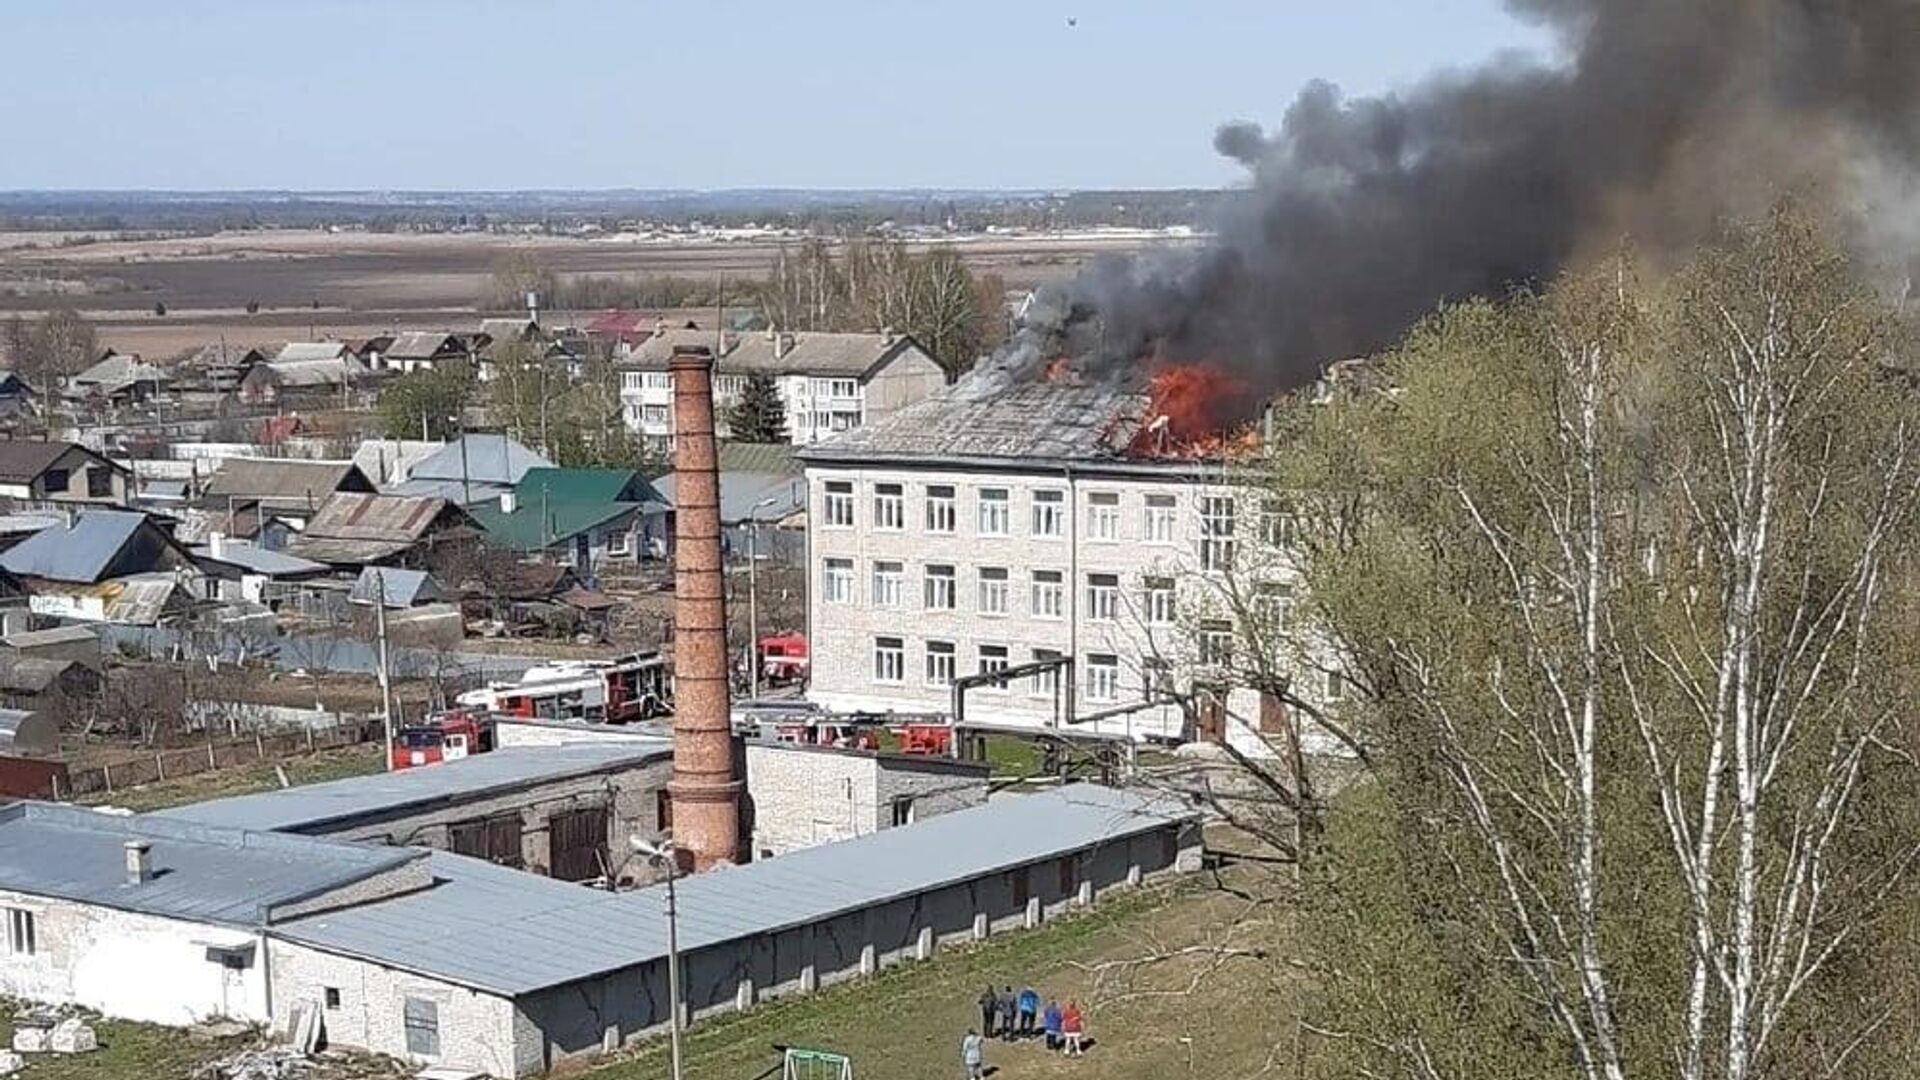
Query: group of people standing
[1010, 1017]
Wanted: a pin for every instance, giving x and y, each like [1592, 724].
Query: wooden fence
[186, 761]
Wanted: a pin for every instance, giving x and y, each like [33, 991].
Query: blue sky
[404, 94]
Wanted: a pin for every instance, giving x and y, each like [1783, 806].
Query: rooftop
[259, 560]
[285, 479]
[315, 807]
[844, 355]
[1035, 420]
[480, 458]
[81, 552]
[742, 496]
[543, 933]
[23, 459]
[219, 875]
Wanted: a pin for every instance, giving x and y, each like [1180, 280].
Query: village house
[473, 468]
[292, 488]
[1042, 525]
[315, 371]
[119, 379]
[422, 350]
[828, 383]
[104, 566]
[584, 518]
[34, 473]
[354, 529]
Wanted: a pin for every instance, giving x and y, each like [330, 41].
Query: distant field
[364, 282]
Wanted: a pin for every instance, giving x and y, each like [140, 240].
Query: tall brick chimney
[706, 784]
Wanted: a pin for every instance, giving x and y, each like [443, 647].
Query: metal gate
[577, 844]
[495, 839]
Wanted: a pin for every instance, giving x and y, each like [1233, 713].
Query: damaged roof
[1034, 420]
[354, 526]
[285, 480]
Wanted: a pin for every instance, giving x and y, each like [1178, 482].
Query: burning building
[1063, 519]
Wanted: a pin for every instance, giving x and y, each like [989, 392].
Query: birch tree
[1625, 570]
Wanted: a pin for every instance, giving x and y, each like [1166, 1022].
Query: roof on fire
[545, 933]
[1039, 419]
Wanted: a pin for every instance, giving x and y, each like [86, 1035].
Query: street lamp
[663, 853]
[753, 591]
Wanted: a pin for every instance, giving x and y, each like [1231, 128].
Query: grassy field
[127, 1052]
[246, 779]
[906, 1023]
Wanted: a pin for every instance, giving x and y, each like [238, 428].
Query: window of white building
[993, 512]
[1103, 597]
[1048, 515]
[889, 660]
[839, 507]
[1272, 607]
[659, 380]
[836, 581]
[1160, 519]
[940, 510]
[1216, 642]
[1103, 677]
[654, 414]
[1046, 681]
[993, 590]
[939, 663]
[1276, 525]
[993, 658]
[1336, 686]
[1049, 595]
[632, 380]
[1158, 601]
[1103, 515]
[1216, 533]
[21, 937]
[1156, 680]
[888, 576]
[889, 507]
[939, 591]
[729, 385]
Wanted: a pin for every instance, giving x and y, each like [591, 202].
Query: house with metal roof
[760, 513]
[829, 382]
[119, 379]
[37, 472]
[358, 529]
[166, 921]
[303, 369]
[422, 350]
[293, 484]
[581, 517]
[93, 546]
[476, 467]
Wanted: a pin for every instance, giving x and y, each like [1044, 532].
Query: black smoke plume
[1661, 119]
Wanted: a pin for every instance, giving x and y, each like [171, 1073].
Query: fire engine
[444, 736]
[624, 690]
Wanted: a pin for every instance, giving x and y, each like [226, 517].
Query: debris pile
[43, 1032]
[258, 1063]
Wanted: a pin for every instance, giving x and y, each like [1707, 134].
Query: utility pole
[466, 485]
[753, 605]
[664, 853]
[386, 684]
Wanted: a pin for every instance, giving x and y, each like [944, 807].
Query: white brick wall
[127, 965]
[843, 634]
[804, 796]
[477, 1030]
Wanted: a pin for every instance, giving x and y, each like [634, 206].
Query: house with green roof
[583, 518]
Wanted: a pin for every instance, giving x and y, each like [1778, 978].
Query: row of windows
[723, 385]
[1099, 672]
[993, 592]
[1047, 515]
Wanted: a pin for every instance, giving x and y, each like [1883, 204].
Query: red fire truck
[625, 690]
[444, 736]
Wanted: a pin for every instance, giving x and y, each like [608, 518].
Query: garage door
[577, 844]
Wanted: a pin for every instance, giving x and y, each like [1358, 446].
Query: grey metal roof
[15, 524]
[259, 560]
[396, 588]
[1043, 420]
[314, 807]
[25, 459]
[542, 933]
[454, 491]
[805, 353]
[329, 372]
[740, 493]
[490, 458]
[284, 479]
[202, 874]
[59, 635]
[423, 345]
[23, 732]
[299, 352]
[80, 552]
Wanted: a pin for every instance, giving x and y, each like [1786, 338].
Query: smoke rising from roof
[1663, 119]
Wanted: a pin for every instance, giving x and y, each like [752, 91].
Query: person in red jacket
[1072, 1027]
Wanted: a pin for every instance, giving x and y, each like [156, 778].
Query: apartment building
[830, 383]
[969, 536]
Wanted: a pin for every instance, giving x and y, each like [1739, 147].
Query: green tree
[760, 416]
[425, 404]
[1625, 572]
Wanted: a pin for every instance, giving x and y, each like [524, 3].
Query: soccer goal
[804, 1064]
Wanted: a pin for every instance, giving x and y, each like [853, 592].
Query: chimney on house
[705, 790]
[139, 862]
[782, 345]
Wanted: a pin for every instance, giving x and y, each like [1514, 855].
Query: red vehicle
[784, 659]
[446, 736]
[931, 740]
